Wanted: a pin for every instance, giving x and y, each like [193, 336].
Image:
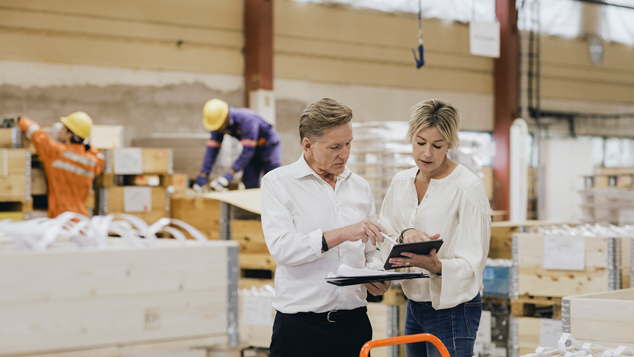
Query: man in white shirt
[316, 216]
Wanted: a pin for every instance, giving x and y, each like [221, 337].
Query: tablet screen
[417, 248]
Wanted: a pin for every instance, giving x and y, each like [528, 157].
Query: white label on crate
[549, 332]
[127, 161]
[137, 199]
[258, 311]
[484, 331]
[564, 253]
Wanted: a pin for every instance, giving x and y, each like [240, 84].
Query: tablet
[417, 248]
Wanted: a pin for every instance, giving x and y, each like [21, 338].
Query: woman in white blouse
[439, 199]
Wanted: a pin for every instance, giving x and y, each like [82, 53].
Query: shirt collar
[304, 170]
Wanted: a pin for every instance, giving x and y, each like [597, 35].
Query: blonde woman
[442, 199]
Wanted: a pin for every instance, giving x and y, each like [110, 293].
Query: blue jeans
[456, 327]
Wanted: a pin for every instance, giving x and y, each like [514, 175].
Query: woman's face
[429, 148]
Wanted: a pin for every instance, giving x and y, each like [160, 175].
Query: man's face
[331, 153]
[64, 135]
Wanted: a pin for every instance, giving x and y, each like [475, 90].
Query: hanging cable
[420, 60]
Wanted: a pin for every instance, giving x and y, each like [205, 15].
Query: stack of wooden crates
[15, 176]
[608, 196]
[547, 268]
[135, 181]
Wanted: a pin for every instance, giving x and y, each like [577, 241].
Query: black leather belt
[334, 315]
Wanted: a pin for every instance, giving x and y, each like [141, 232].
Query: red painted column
[258, 46]
[506, 100]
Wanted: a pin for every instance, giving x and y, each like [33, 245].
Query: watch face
[595, 49]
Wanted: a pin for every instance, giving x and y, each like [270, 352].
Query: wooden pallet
[536, 306]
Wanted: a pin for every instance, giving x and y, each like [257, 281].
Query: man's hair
[322, 115]
[435, 113]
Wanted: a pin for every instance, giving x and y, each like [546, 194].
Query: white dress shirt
[297, 207]
[456, 207]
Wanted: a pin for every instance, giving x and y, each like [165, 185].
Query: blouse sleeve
[461, 278]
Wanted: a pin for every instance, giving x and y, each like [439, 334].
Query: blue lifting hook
[420, 59]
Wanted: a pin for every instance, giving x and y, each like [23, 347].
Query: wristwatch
[324, 244]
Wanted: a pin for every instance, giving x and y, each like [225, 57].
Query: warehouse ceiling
[558, 17]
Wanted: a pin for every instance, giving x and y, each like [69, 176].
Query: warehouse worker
[317, 216]
[261, 149]
[70, 163]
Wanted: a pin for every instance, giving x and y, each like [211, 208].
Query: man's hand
[364, 230]
[202, 180]
[378, 288]
[412, 235]
[219, 184]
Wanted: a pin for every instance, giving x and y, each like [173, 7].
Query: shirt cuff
[314, 241]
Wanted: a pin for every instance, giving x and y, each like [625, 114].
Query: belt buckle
[328, 316]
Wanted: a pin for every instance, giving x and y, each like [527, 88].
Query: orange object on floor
[70, 170]
[421, 337]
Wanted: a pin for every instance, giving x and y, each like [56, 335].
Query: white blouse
[457, 208]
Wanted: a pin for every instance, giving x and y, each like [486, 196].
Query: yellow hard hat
[214, 114]
[79, 123]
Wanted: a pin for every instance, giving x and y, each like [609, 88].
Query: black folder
[346, 281]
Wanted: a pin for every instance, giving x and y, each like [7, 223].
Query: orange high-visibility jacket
[70, 169]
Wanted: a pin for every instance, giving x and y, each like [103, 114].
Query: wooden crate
[202, 213]
[606, 318]
[535, 332]
[15, 175]
[107, 137]
[17, 211]
[112, 200]
[113, 297]
[11, 138]
[153, 161]
[250, 236]
[179, 182]
[501, 244]
[534, 280]
[39, 185]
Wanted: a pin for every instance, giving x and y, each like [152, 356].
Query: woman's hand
[430, 262]
[378, 288]
[412, 235]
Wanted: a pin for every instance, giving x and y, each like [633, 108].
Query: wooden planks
[605, 317]
[116, 296]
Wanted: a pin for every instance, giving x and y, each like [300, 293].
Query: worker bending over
[261, 149]
[70, 164]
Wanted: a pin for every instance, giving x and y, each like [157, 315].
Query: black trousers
[335, 334]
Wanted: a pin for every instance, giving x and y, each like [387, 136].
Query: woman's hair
[322, 115]
[435, 113]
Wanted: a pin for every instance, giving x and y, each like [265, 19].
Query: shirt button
[426, 196]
